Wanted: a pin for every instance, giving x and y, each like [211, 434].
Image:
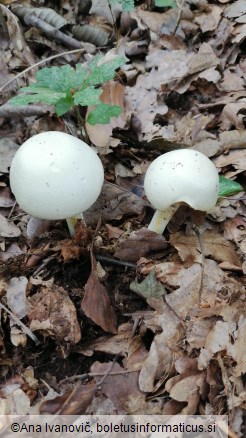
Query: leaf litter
[170, 346]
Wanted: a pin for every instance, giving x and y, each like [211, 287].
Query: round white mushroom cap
[54, 175]
[182, 175]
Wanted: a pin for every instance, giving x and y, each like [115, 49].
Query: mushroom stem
[71, 221]
[161, 218]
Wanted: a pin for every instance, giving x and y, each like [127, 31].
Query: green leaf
[165, 3]
[149, 287]
[64, 105]
[127, 5]
[40, 95]
[88, 96]
[62, 78]
[104, 71]
[103, 113]
[229, 187]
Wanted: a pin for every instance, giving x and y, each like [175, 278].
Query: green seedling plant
[127, 5]
[165, 3]
[68, 88]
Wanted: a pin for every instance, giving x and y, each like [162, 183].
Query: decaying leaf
[164, 348]
[52, 312]
[121, 387]
[74, 402]
[139, 244]
[215, 246]
[8, 229]
[96, 303]
[114, 203]
[149, 287]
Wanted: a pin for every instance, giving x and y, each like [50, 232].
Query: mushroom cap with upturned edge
[54, 175]
[183, 175]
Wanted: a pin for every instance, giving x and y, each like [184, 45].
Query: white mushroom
[54, 175]
[182, 175]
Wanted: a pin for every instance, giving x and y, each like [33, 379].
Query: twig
[88, 375]
[69, 52]
[180, 6]
[43, 265]
[19, 323]
[199, 236]
[112, 261]
[108, 372]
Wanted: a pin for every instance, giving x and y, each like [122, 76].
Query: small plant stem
[114, 23]
[180, 6]
[81, 124]
[162, 218]
[199, 236]
[71, 221]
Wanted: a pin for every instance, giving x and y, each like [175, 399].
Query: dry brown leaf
[237, 349]
[113, 203]
[233, 115]
[215, 246]
[52, 312]
[96, 303]
[140, 243]
[113, 232]
[236, 158]
[187, 389]
[121, 387]
[8, 229]
[74, 402]
[164, 349]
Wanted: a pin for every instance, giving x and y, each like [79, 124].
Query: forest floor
[163, 315]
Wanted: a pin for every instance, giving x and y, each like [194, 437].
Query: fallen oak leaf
[96, 303]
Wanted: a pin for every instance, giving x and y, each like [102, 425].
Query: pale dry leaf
[17, 336]
[197, 332]
[232, 80]
[8, 229]
[217, 340]
[215, 246]
[143, 105]
[16, 296]
[8, 148]
[164, 349]
[209, 21]
[237, 349]
[16, 403]
[236, 158]
[36, 227]
[188, 389]
[235, 9]
[118, 344]
[233, 115]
